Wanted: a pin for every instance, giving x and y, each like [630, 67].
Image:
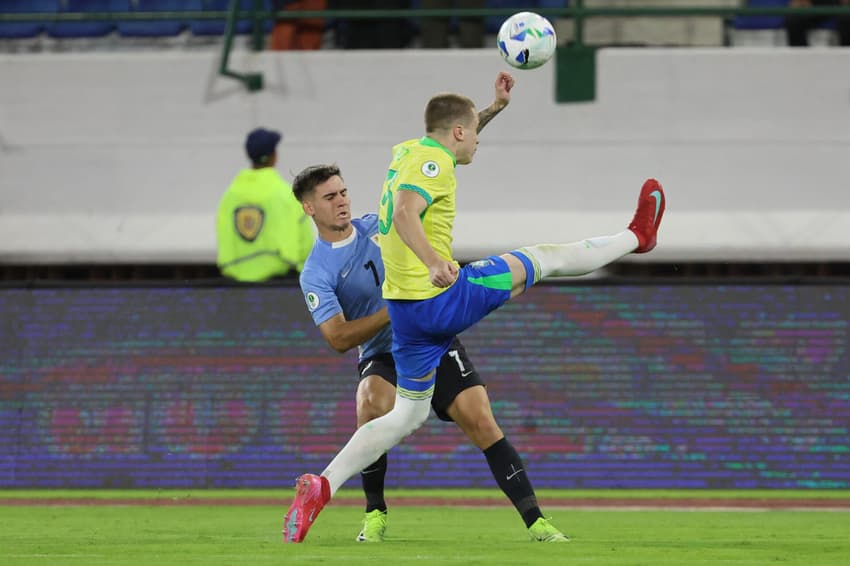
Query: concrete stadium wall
[123, 156]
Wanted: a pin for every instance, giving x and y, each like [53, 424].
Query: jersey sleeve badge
[430, 169]
[312, 300]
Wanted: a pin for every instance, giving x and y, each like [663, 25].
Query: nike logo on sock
[509, 476]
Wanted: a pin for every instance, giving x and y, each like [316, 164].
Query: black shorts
[454, 374]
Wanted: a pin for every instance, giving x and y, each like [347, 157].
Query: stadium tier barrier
[122, 157]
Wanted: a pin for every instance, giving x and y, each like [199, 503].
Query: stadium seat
[208, 27]
[493, 23]
[154, 28]
[553, 3]
[21, 30]
[90, 28]
[761, 22]
[216, 27]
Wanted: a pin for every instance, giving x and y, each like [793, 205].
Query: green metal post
[575, 65]
[578, 23]
[252, 81]
[258, 19]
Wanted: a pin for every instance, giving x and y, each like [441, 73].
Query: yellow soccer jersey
[428, 168]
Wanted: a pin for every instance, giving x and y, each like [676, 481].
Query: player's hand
[504, 84]
[442, 273]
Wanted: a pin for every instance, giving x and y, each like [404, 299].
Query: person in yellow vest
[261, 228]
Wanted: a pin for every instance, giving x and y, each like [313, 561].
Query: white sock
[579, 258]
[375, 438]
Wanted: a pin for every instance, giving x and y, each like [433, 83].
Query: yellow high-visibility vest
[261, 228]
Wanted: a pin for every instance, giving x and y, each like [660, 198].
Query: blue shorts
[424, 329]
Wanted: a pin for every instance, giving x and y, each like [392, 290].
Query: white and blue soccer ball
[526, 40]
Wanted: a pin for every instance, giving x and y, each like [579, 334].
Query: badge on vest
[249, 222]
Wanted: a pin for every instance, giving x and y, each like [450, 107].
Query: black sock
[508, 469]
[373, 484]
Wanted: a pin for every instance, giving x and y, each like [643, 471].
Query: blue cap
[260, 144]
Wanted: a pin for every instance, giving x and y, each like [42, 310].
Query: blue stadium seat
[154, 28]
[20, 30]
[88, 29]
[553, 3]
[493, 23]
[207, 27]
[761, 22]
[216, 27]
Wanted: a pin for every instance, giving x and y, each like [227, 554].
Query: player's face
[331, 205]
[468, 141]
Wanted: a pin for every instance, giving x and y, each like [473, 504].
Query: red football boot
[311, 494]
[650, 209]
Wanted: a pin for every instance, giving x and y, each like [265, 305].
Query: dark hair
[261, 162]
[445, 110]
[307, 180]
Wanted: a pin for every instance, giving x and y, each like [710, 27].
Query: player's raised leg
[533, 263]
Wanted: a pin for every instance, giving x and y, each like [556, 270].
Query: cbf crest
[249, 222]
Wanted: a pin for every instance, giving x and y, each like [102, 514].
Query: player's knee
[418, 415]
[371, 406]
[409, 415]
[487, 426]
[374, 399]
[483, 430]
[367, 411]
[423, 409]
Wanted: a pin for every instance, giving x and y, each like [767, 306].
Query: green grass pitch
[186, 534]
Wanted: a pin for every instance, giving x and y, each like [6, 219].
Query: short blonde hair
[445, 110]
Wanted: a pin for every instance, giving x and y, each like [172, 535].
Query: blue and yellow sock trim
[416, 395]
[532, 268]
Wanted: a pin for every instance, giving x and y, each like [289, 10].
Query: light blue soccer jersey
[346, 277]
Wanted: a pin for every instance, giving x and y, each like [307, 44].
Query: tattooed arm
[504, 84]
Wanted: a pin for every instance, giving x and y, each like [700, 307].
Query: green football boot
[374, 525]
[543, 531]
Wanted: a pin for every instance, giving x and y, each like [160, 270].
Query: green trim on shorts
[418, 190]
[501, 282]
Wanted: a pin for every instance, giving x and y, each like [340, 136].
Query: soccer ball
[526, 40]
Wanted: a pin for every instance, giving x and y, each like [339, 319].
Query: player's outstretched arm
[343, 335]
[504, 84]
